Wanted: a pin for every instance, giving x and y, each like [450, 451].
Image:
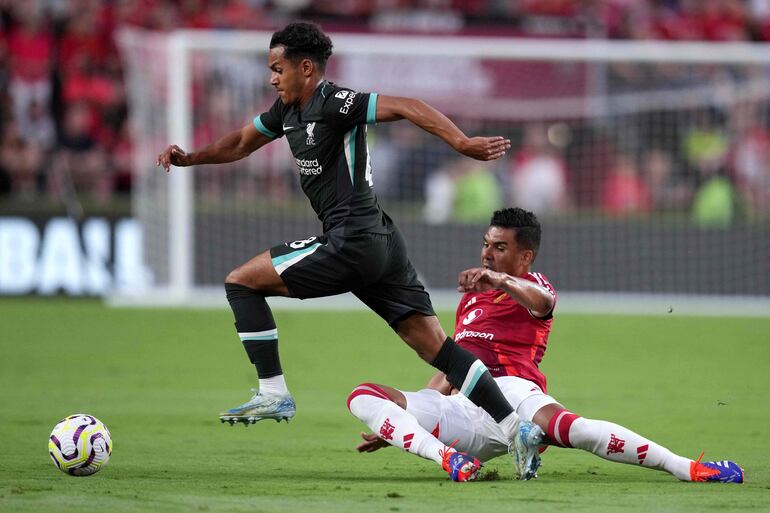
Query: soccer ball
[80, 445]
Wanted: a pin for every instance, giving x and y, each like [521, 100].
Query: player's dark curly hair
[304, 40]
[525, 224]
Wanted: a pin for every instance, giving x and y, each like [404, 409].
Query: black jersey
[327, 138]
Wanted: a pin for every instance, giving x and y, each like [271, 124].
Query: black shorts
[373, 266]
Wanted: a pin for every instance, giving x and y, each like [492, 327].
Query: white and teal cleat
[525, 449]
[261, 407]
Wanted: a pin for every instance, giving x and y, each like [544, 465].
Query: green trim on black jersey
[262, 128]
[371, 109]
[350, 152]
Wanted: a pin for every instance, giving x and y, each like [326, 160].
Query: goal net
[647, 163]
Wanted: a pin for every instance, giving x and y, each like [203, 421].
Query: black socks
[468, 375]
[256, 328]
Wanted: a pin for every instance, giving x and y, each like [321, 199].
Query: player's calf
[470, 376]
[617, 443]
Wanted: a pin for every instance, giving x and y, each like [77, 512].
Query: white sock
[615, 443]
[393, 424]
[509, 425]
[273, 386]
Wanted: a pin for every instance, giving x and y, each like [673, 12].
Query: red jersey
[505, 336]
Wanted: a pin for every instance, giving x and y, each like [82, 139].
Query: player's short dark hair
[304, 40]
[524, 223]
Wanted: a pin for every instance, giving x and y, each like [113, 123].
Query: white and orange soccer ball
[80, 445]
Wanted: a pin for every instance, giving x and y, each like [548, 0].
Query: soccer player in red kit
[504, 318]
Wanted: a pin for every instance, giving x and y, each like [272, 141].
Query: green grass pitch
[158, 377]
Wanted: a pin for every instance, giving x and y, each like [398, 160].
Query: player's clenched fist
[173, 156]
[479, 279]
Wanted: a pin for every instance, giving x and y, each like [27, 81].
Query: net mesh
[647, 177]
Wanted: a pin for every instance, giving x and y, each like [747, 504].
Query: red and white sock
[372, 406]
[615, 443]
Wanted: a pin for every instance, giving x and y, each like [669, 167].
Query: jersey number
[299, 244]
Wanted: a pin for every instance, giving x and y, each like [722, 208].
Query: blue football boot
[525, 449]
[261, 407]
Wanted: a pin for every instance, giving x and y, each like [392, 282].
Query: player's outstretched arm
[535, 298]
[393, 108]
[233, 146]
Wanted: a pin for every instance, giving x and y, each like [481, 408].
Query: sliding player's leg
[400, 299]
[617, 443]
[470, 376]
[384, 410]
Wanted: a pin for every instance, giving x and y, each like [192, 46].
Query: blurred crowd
[64, 124]
[710, 166]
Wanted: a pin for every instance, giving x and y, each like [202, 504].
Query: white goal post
[599, 104]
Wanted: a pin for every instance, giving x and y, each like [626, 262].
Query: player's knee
[426, 346]
[241, 276]
[367, 390]
[234, 277]
[261, 278]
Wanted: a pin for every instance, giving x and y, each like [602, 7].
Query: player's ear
[307, 66]
[527, 257]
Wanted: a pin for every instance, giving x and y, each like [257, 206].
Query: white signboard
[60, 258]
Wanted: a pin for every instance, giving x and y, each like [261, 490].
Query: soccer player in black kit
[360, 250]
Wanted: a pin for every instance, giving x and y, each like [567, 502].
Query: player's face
[286, 76]
[501, 253]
